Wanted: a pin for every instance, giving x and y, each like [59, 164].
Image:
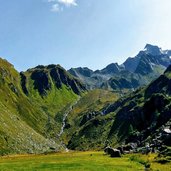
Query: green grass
[81, 161]
[95, 100]
[73, 161]
[150, 160]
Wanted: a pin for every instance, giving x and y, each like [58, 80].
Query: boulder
[121, 150]
[115, 153]
[127, 148]
[107, 150]
[112, 152]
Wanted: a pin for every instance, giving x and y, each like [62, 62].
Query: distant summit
[152, 49]
[136, 71]
[150, 56]
[112, 68]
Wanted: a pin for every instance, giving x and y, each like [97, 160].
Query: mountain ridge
[32, 107]
[37, 104]
[139, 117]
[148, 64]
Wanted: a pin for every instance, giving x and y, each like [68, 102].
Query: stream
[64, 122]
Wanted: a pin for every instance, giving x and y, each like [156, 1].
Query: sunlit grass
[72, 161]
[80, 161]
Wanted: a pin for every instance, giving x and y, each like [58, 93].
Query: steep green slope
[32, 105]
[86, 121]
[53, 90]
[19, 117]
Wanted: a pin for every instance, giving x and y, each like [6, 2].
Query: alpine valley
[48, 109]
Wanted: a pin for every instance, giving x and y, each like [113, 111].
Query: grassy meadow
[78, 161]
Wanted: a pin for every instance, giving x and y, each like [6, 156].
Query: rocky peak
[81, 71]
[153, 50]
[45, 76]
[112, 68]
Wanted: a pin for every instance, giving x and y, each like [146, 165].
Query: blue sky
[74, 33]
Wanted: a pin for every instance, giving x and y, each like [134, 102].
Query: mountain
[138, 71]
[146, 112]
[46, 78]
[140, 117]
[32, 106]
[81, 72]
[84, 74]
[122, 81]
[47, 108]
[111, 69]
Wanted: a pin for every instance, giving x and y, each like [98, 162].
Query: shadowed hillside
[138, 117]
